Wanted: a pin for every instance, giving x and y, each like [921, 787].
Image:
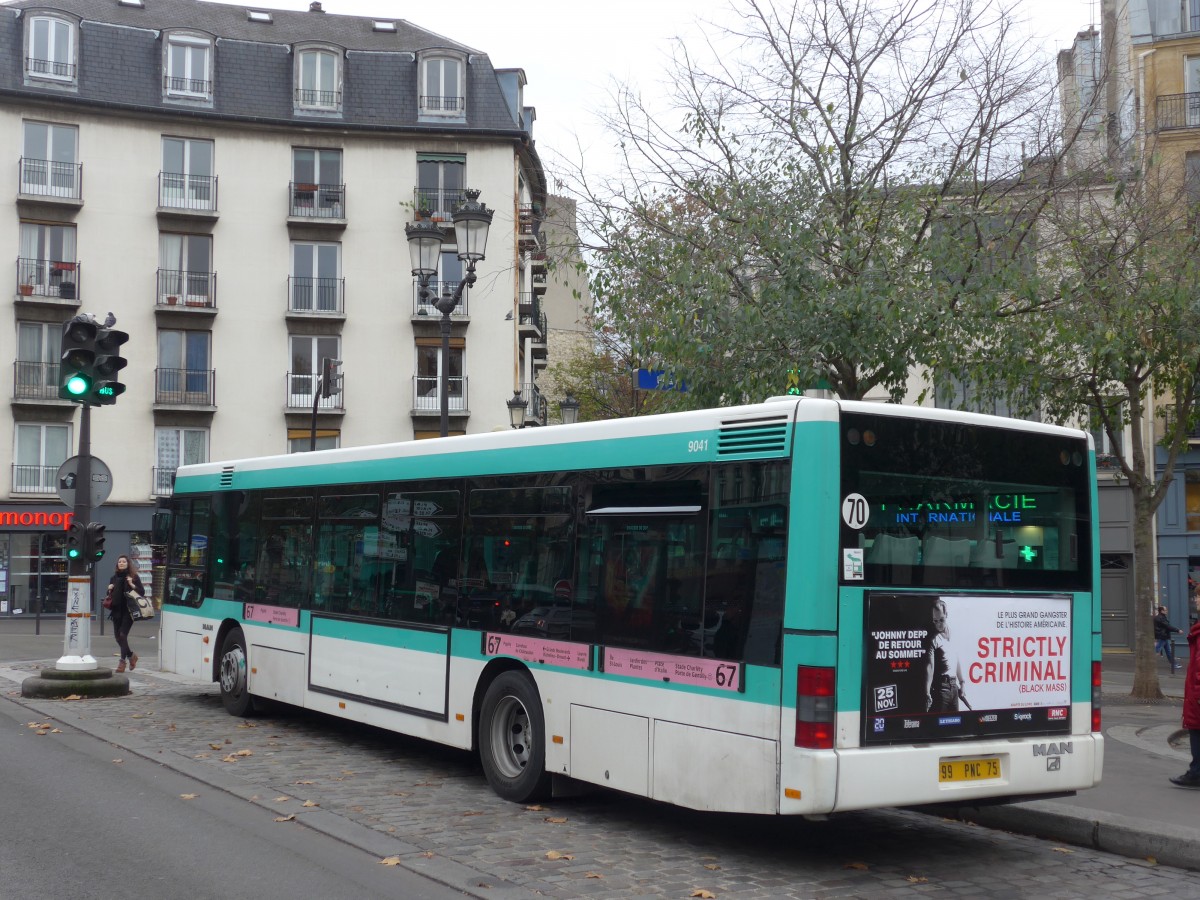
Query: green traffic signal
[77, 385]
[76, 540]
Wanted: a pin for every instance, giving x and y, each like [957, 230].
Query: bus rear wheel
[235, 684]
[512, 739]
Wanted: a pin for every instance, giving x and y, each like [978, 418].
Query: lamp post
[471, 222]
[568, 410]
[516, 410]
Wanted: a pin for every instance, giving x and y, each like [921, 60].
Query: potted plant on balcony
[26, 288]
[172, 299]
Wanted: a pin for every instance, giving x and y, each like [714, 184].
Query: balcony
[317, 204]
[44, 181]
[316, 297]
[529, 313]
[539, 282]
[436, 103]
[427, 400]
[536, 405]
[36, 383]
[184, 290]
[49, 68]
[162, 481]
[187, 196]
[439, 289]
[538, 261]
[529, 223]
[301, 389]
[48, 281]
[309, 100]
[1175, 111]
[191, 389]
[34, 479]
[437, 205]
[187, 88]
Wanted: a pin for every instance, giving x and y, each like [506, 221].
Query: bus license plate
[969, 769]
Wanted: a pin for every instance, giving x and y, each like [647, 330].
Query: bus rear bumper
[865, 778]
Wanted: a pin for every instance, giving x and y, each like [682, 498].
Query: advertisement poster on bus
[948, 666]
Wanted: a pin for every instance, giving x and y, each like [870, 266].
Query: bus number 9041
[700, 446]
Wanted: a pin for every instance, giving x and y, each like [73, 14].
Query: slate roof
[120, 65]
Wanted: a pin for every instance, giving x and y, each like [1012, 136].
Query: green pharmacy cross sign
[1028, 554]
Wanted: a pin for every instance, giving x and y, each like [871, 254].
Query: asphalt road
[82, 819]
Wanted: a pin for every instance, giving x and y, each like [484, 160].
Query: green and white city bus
[796, 607]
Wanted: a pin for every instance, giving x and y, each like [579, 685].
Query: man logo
[1053, 763]
[1053, 749]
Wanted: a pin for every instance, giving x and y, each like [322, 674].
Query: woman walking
[124, 579]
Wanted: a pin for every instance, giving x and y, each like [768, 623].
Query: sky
[572, 51]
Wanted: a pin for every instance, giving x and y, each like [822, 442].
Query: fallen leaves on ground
[701, 892]
[244, 753]
[712, 866]
[917, 879]
[554, 854]
[247, 725]
[1063, 850]
[215, 746]
[285, 818]
[593, 875]
[187, 796]
[555, 820]
[856, 865]
[1153, 860]
[310, 803]
[282, 799]
[118, 761]
[390, 861]
[303, 782]
[428, 854]
[72, 697]
[536, 807]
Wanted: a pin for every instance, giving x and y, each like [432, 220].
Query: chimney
[315, 6]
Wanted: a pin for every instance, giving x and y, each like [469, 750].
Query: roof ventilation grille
[753, 437]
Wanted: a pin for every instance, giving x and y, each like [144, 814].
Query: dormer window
[318, 79]
[50, 49]
[188, 67]
[443, 86]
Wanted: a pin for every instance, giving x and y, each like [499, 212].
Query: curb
[1172, 845]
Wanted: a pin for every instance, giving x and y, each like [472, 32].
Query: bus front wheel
[512, 739]
[235, 685]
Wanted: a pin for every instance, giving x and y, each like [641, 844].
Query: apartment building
[233, 183]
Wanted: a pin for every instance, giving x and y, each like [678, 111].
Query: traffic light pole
[77, 642]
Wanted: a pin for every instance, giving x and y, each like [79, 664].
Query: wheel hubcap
[233, 671]
[511, 737]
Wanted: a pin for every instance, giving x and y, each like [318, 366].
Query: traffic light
[76, 540]
[107, 363]
[77, 358]
[331, 378]
[94, 542]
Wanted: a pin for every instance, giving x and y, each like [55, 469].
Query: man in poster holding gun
[943, 670]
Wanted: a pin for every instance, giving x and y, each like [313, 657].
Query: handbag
[139, 607]
[107, 602]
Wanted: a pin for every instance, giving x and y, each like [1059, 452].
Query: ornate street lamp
[471, 222]
[516, 410]
[568, 410]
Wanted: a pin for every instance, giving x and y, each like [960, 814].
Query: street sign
[68, 477]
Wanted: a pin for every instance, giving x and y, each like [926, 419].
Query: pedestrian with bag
[1191, 709]
[124, 580]
[1163, 629]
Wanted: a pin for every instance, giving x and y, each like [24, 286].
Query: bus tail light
[1096, 688]
[814, 707]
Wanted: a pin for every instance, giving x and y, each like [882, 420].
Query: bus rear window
[949, 504]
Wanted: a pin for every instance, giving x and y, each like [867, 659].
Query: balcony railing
[54, 278]
[535, 404]
[196, 87]
[196, 193]
[438, 103]
[49, 68]
[439, 289]
[184, 387]
[426, 398]
[529, 309]
[177, 287]
[162, 481]
[35, 380]
[316, 295]
[35, 479]
[1172, 111]
[529, 223]
[436, 204]
[318, 99]
[48, 178]
[317, 201]
[301, 388]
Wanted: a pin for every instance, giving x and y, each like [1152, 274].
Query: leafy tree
[791, 213]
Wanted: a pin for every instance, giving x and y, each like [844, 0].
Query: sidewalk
[1135, 812]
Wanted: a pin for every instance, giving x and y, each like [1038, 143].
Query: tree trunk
[1145, 672]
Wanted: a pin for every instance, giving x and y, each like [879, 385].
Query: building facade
[233, 184]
